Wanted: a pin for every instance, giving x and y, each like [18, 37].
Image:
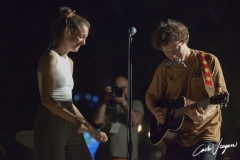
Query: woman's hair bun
[66, 12]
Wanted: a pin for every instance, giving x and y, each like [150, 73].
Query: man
[112, 115]
[194, 74]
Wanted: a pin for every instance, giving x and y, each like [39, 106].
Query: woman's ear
[67, 31]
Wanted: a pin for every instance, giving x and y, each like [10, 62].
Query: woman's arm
[47, 66]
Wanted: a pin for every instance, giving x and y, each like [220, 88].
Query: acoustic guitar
[167, 133]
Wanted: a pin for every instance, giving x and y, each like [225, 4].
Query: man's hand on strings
[160, 114]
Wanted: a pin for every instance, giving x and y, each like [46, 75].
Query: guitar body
[165, 134]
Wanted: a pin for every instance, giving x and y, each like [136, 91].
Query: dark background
[24, 36]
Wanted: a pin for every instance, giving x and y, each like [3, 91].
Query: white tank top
[63, 85]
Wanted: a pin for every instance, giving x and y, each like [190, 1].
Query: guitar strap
[206, 73]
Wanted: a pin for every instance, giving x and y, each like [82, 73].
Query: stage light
[139, 128]
[95, 98]
[88, 96]
[76, 97]
[149, 134]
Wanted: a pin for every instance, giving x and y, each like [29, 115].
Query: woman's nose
[83, 42]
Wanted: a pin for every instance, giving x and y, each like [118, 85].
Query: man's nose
[172, 55]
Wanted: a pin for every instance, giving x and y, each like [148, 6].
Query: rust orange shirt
[175, 80]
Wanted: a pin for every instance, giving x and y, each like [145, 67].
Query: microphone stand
[132, 31]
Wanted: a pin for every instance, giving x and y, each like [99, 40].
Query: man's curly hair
[167, 31]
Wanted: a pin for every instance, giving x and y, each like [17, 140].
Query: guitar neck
[199, 104]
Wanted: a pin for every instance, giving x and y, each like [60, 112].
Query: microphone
[169, 63]
[132, 31]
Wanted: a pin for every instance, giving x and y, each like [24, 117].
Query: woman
[58, 122]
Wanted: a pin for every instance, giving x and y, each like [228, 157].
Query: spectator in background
[112, 115]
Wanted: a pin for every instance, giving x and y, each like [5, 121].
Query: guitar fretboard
[199, 104]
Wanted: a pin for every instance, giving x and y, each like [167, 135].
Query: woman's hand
[82, 125]
[99, 136]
